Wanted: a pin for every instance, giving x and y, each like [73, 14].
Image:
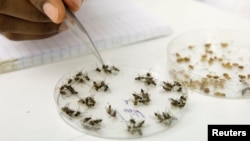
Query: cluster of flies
[68, 90]
[142, 97]
[88, 122]
[108, 69]
[213, 81]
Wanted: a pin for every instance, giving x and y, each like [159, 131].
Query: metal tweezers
[77, 24]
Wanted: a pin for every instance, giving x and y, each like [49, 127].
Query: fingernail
[62, 27]
[51, 11]
[78, 2]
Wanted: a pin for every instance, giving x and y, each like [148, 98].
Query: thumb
[54, 9]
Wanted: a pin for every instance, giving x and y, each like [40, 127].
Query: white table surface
[28, 109]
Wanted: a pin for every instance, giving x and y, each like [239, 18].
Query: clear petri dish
[119, 102]
[214, 62]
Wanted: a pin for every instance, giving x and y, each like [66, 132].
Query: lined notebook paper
[111, 23]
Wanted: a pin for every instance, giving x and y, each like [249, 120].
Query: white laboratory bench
[29, 112]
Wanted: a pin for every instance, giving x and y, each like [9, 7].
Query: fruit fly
[81, 77]
[142, 97]
[100, 86]
[67, 90]
[88, 101]
[181, 102]
[108, 69]
[147, 79]
[91, 124]
[175, 86]
[135, 126]
[165, 118]
[111, 111]
[71, 113]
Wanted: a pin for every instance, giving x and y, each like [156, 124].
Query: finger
[22, 9]
[74, 5]
[21, 37]
[54, 9]
[15, 25]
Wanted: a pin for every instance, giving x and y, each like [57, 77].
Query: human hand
[34, 19]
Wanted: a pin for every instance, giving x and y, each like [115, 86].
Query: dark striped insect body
[175, 86]
[135, 127]
[147, 79]
[181, 102]
[91, 124]
[101, 86]
[165, 118]
[70, 112]
[111, 111]
[88, 101]
[141, 97]
[81, 78]
[67, 90]
[107, 69]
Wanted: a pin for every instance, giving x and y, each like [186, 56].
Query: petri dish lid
[214, 62]
[119, 102]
